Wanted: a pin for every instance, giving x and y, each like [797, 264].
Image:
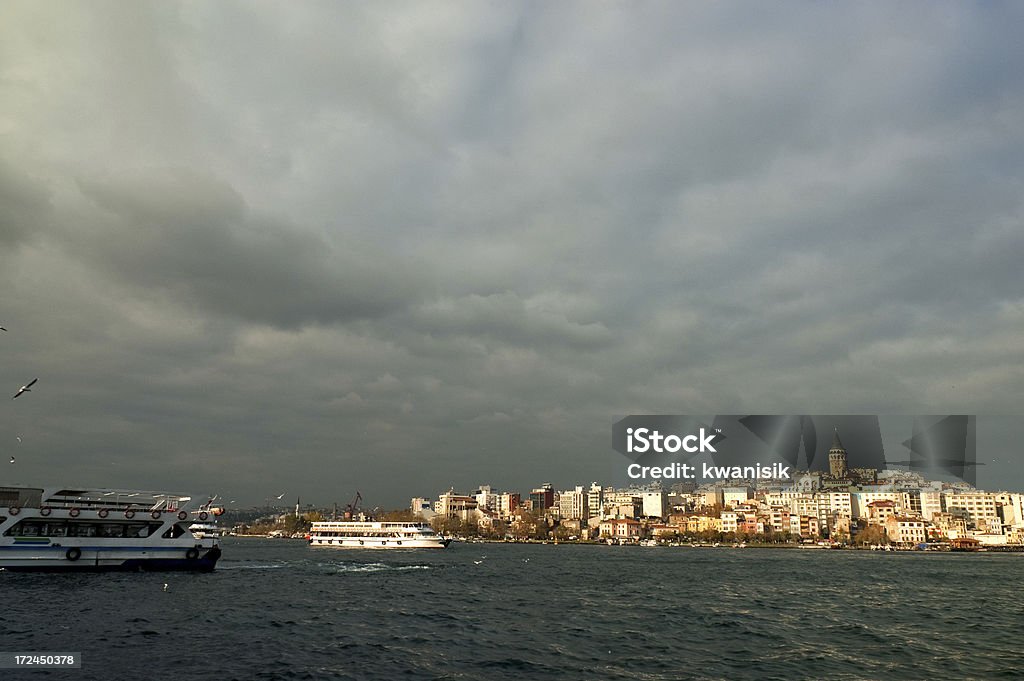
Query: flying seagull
[280, 495]
[2, 328]
[25, 388]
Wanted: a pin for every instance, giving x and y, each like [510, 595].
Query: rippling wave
[276, 609]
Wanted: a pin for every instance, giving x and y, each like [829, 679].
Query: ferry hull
[108, 559]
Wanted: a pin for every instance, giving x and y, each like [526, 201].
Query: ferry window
[81, 530]
[56, 530]
[112, 530]
[174, 532]
[29, 529]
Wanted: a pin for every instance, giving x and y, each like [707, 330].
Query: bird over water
[25, 388]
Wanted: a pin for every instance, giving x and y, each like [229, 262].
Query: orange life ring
[44, 511]
[155, 515]
[203, 515]
[103, 513]
[129, 514]
[13, 510]
[74, 512]
[182, 515]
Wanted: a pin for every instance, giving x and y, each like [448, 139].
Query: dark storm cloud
[23, 205]
[403, 246]
[510, 319]
[193, 235]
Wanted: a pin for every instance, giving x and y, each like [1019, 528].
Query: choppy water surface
[278, 609]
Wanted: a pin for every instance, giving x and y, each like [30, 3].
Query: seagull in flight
[280, 495]
[2, 328]
[25, 388]
[12, 459]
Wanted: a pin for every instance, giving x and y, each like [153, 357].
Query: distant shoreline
[722, 545]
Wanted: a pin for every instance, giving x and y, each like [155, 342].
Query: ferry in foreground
[375, 535]
[91, 529]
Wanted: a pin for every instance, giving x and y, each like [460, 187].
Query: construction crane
[350, 510]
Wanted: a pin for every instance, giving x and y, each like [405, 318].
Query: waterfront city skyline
[305, 248]
[846, 505]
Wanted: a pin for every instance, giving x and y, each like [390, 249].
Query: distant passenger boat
[201, 530]
[375, 535]
[91, 529]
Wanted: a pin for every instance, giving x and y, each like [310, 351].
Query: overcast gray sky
[310, 248]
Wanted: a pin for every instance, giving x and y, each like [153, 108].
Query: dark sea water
[278, 609]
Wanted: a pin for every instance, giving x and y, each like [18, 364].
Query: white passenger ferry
[202, 530]
[90, 529]
[375, 535]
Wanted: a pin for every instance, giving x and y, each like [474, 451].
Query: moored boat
[95, 529]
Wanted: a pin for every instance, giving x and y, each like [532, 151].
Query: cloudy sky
[311, 248]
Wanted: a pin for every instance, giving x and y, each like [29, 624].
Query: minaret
[837, 457]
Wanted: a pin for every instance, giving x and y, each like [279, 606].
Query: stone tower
[837, 464]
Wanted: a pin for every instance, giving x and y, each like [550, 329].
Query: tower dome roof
[836, 444]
